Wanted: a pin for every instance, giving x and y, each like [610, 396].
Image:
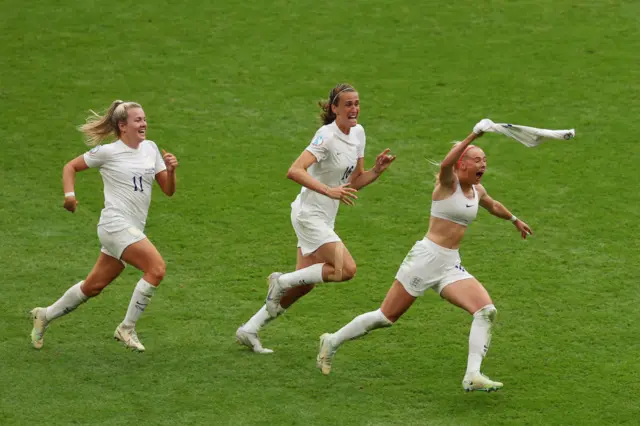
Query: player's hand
[343, 193]
[170, 161]
[482, 126]
[523, 228]
[70, 203]
[383, 161]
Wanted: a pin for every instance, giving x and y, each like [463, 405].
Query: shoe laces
[328, 358]
[43, 324]
[133, 335]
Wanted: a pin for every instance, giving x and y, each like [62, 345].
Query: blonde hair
[99, 128]
[327, 115]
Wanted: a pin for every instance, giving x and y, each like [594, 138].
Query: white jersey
[337, 155]
[128, 176]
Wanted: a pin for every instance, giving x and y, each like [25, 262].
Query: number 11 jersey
[128, 176]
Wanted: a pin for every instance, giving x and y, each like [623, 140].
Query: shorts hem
[441, 287]
[308, 250]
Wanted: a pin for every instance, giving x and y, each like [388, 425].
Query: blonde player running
[128, 167]
[331, 170]
[434, 262]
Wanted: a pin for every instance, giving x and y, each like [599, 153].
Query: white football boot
[276, 291]
[325, 354]
[129, 337]
[479, 382]
[40, 325]
[251, 340]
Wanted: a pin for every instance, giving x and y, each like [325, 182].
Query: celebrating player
[128, 167]
[330, 170]
[434, 262]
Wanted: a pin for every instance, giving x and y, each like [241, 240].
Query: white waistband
[439, 249]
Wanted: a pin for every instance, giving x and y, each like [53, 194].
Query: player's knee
[348, 271]
[488, 312]
[157, 271]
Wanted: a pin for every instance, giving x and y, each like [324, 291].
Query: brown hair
[99, 128]
[327, 115]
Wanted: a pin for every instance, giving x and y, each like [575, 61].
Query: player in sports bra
[434, 262]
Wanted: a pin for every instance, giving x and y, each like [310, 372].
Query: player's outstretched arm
[497, 209]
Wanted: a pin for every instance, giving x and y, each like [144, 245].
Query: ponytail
[98, 128]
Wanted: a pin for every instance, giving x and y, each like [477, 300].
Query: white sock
[480, 336]
[360, 325]
[139, 301]
[258, 320]
[309, 275]
[70, 300]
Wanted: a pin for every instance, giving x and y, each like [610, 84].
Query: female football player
[128, 167]
[434, 262]
[330, 170]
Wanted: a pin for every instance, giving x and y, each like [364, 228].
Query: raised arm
[69, 181]
[299, 174]
[446, 166]
[497, 209]
[445, 177]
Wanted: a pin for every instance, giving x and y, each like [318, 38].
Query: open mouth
[479, 174]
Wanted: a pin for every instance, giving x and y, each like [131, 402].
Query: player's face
[348, 109]
[474, 165]
[136, 126]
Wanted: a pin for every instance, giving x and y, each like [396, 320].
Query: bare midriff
[445, 233]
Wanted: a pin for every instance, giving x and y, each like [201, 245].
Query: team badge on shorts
[317, 141]
[415, 282]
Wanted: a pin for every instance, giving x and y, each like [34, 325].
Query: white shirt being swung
[128, 176]
[337, 155]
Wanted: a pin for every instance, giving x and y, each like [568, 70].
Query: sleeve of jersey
[363, 142]
[318, 147]
[97, 156]
[160, 166]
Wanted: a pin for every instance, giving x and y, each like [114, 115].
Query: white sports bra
[457, 208]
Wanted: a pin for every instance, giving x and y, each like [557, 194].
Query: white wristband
[513, 218]
[69, 194]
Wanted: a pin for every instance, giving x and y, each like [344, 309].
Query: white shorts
[312, 232]
[429, 265]
[114, 243]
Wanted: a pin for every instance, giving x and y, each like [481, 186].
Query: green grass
[230, 88]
